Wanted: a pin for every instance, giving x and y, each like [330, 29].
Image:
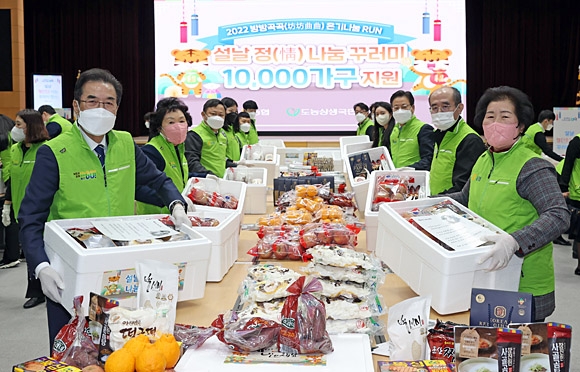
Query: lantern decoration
[437, 26]
[426, 19]
[194, 22]
[183, 24]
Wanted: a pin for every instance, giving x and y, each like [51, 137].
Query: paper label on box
[454, 230]
[526, 339]
[127, 230]
[469, 342]
[124, 283]
[272, 355]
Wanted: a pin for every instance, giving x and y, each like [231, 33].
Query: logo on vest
[86, 175]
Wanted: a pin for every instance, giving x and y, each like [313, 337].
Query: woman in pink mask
[516, 190]
[167, 131]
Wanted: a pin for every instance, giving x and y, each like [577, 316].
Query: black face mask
[231, 117]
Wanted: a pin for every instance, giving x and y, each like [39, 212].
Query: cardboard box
[268, 152]
[224, 240]
[421, 178]
[91, 270]
[428, 268]
[361, 188]
[256, 180]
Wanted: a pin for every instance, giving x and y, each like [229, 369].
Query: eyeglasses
[94, 103]
[402, 107]
[445, 108]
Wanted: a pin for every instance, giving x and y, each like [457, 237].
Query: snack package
[158, 289]
[545, 346]
[407, 328]
[192, 337]
[374, 277]
[249, 334]
[415, 366]
[200, 195]
[441, 341]
[346, 307]
[304, 320]
[67, 335]
[481, 348]
[125, 324]
[90, 237]
[342, 257]
[80, 351]
[370, 326]
[44, 364]
[280, 242]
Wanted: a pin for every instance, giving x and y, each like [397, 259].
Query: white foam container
[237, 189]
[428, 268]
[291, 155]
[272, 142]
[224, 240]
[348, 140]
[273, 166]
[361, 188]
[256, 193]
[372, 217]
[82, 269]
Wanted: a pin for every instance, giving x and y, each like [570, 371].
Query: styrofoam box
[272, 142]
[237, 189]
[291, 155]
[273, 167]
[256, 193]
[361, 188]
[224, 240]
[428, 268]
[371, 217]
[82, 269]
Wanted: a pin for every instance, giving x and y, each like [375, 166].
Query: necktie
[100, 150]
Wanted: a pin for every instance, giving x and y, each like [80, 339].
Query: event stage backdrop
[306, 63]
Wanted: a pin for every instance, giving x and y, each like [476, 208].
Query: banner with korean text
[306, 63]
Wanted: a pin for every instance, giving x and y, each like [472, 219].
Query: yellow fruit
[170, 348]
[136, 344]
[150, 360]
[120, 361]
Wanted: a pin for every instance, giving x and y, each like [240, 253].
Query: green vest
[83, 190]
[493, 195]
[65, 125]
[574, 184]
[381, 135]
[243, 139]
[444, 156]
[530, 134]
[253, 134]
[175, 168]
[213, 150]
[20, 172]
[5, 159]
[405, 143]
[362, 127]
[233, 148]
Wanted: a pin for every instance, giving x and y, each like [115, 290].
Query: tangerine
[121, 360]
[150, 360]
[170, 348]
[136, 344]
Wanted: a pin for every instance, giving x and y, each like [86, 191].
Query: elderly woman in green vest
[29, 134]
[167, 132]
[516, 190]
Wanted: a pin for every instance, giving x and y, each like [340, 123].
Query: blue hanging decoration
[426, 20]
[194, 22]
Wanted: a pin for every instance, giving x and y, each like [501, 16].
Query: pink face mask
[501, 136]
[175, 133]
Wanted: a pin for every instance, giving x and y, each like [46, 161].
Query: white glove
[6, 215]
[52, 283]
[180, 217]
[499, 254]
[190, 205]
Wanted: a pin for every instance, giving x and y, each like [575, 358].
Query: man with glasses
[411, 139]
[89, 171]
[457, 145]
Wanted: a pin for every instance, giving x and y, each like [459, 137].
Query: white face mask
[360, 117]
[245, 127]
[252, 115]
[215, 122]
[402, 116]
[97, 121]
[17, 134]
[147, 124]
[383, 119]
[550, 126]
[443, 120]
